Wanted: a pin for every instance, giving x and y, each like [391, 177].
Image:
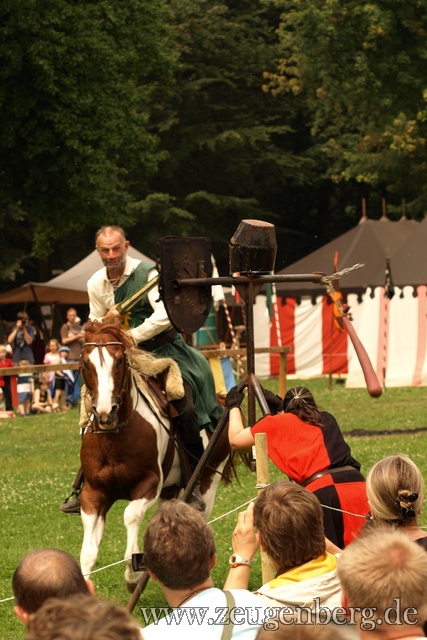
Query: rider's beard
[115, 268]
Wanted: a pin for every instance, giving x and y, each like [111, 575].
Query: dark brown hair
[290, 521]
[300, 401]
[179, 546]
[81, 618]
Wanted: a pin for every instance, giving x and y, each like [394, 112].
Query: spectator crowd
[47, 392]
[374, 588]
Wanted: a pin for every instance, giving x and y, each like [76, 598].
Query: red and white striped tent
[388, 300]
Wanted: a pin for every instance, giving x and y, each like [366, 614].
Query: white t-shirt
[101, 299]
[203, 617]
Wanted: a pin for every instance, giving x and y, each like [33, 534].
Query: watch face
[236, 561]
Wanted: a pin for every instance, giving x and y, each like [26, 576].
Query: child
[5, 361]
[43, 402]
[64, 353]
[56, 379]
[25, 389]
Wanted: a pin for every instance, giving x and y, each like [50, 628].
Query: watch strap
[237, 561]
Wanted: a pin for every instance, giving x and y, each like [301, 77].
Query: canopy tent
[388, 301]
[67, 288]
[370, 243]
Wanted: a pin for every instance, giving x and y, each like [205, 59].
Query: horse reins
[123, 384]
[171, 435]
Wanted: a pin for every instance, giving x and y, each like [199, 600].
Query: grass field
[40, 457]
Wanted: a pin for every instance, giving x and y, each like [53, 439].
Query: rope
[232, 511]
[224, 515]
[337, 275]
[357, 515]
[107, 566]
[233, 336]
[275, 307]
[336, 297]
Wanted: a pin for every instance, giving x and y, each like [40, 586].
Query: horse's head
[104, 369]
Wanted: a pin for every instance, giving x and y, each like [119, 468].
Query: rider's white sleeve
[157, 322]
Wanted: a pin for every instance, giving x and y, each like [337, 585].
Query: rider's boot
[191, 440]
[71, 505]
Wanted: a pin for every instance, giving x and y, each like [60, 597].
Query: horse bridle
[123, 384]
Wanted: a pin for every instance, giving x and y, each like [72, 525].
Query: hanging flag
[269, 300]
[389, 284]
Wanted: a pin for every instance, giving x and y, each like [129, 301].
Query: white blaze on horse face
[104, 371]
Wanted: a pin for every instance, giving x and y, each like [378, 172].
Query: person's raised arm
[28, 337]
[12, 335]
[331, 547]
[245, 544]
[239, 437]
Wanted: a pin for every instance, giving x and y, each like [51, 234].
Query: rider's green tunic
[194, 367]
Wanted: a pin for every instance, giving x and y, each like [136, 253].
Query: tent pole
[42, 321]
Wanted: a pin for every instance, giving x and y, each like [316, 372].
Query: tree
[78, 81]
[231, 148]
[358, 67]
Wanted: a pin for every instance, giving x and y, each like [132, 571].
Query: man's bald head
[43, 574]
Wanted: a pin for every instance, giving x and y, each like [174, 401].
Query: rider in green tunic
[151, 329]
[194, 367]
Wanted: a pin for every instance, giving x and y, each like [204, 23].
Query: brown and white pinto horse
[124, 447]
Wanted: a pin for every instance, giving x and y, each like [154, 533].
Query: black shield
[185, 258]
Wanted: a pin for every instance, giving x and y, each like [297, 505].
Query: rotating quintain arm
[371, 379]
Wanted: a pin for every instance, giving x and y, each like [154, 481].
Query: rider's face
[113, 248]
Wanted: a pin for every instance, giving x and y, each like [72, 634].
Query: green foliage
[229, 147]
[77, 81]
[185, 116]
[358, 69]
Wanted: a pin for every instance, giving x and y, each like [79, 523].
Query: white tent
[389, 316]
[67, 288]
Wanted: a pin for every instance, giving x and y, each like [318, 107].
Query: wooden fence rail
[208, 353]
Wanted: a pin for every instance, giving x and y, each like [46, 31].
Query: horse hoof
[131, 586]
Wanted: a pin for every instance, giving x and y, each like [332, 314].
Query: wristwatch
[236, 561]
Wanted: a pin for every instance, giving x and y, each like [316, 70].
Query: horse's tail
[229, 472]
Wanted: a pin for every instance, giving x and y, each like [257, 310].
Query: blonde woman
[395, 490]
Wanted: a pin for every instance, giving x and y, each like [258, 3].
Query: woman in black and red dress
[308, 446]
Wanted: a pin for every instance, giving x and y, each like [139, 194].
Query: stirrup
[71, 505]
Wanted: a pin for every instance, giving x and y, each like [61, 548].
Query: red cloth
[3, 365]
[297, 448]
[300, 450]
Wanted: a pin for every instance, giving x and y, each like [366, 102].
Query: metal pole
[250, 350]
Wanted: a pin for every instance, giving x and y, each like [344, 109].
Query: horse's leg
[209, 496]
[211, 478]
[133, 516]
[143, 496]
[93, 512]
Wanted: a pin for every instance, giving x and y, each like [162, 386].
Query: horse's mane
[95, 328]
